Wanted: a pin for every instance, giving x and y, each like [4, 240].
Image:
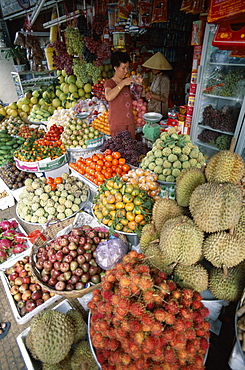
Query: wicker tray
[50, 232]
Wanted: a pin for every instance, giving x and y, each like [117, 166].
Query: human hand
[148, 96]
[128, 81]
[138, 79]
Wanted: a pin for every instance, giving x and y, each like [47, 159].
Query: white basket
[30, 363]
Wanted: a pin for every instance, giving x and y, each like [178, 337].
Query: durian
[82, 357]
[186, 183]
[194, 277]
[164, 209]
[79, 324]
[225, 166]
[181, 241]
[216, 207]
[155, 258]
[240, 227]
[222, 248]
[29, 345]
[228, 286]
[52, 334]
[148, 234]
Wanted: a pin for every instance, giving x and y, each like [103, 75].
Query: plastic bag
[136, 90]
[110, 252]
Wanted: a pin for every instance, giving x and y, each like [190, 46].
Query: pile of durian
[171, 154]
[199, 238]
[58, 340]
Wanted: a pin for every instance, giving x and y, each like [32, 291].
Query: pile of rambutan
[141, 319]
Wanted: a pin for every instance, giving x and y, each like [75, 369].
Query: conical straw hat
[157, 61]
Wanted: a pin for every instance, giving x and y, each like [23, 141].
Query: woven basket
[50, 233]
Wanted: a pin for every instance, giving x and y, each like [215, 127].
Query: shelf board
[221, 97]
[228, 64]
[199, 142]
[213, 129]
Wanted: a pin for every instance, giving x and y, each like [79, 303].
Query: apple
[68, 258]
[30, 305]
[26, 295]
[52, 281]
[73, 265]
[26, 280]
[39, 301]
[23, 288]
[21, 304]
[96, 279]
[60, 285]
[18, 281]
[34, 286]
[28, 267]
[85, 277]
[14, 289]
[64, 266]
[37, 294]
[17, 297]
[13, 276]
[79, 285]
[48, 265]
[46, 296]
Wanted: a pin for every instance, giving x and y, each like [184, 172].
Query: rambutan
[164, 288]
[107, 294]
[139, 337]
[148, 319]
[119, 266]
[172, 306]
[196, 304]
[204, 344]
[148, 344]
[128, 267]
[120, 333]
[150, 306]
[200, 332]
[91, 305]
[158, 298]
[204, 311]
[111, 332]
[186, 313]
[156, 328]
[116, 321]
[135, 277]
[101, 325]
[114, 358]
[142, 364]
[160, 314]
[148, 296]
[163, 366]
[190, 333]
[125, 281]
[145, 283]
[143, 269]
[183, 355]
[125, 292]
[106, 285]
[111, 276]
[157, 354]
[120, 312]
[179, 325]
[162, 341]
[134, 349]
[96, 298]
[177, 294]
[197, 295]
[100, 357]
[119, 274]
[168, 333]
[135, 325]
[185, 302]
[197, 318]
[96, 292]
[169, 355]
[187, 293]
[124, 303]
[125, 325]
[171, 284]
[191, 346]
[125, 358]
[112, 344]
[206, 325]
[115, 299]
[137, 309]
[179, 341]
[98, 340]
[134, 289]
[170, 318]
[198, 362]
[146, 328]
[188, 324]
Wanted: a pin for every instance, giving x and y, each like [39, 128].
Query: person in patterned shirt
[118, 95]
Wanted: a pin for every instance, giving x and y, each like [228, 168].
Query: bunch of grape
[79, 70]
[93, 71]
[98, 23]
[231, 83]
[208, 136]
[92, 45]
[103, 52]
[83, 26]
[224, 119]
[87, 55]
[223, 142]
[74, 41]
[131, 149]
[61, 59]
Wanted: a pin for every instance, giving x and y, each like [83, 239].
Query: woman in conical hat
[158, 95]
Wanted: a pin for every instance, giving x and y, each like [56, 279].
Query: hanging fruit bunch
[121, 206]
[143, 320]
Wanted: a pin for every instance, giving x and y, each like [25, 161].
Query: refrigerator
[219, 109]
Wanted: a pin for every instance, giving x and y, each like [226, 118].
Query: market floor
[11, 358]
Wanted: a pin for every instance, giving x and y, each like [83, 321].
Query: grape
[224, 119]
[74, 41]
[61, 59]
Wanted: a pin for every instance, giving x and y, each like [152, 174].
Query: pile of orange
[101, 166]
[101, 123]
